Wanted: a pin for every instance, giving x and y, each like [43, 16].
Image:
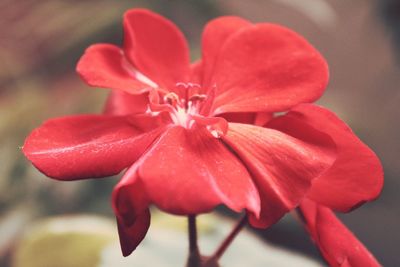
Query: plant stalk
[225, 244]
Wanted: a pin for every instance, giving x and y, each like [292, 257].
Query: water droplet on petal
[217, 133]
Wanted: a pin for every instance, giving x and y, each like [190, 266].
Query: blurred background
[41, 41]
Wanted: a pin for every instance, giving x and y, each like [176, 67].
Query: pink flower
[166, 122]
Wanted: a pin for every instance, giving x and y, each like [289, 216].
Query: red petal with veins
[121, 103]
[258, 119]
[88, 146]
[337, 244]
[196, 76]
[105, 66]
[191, 172]
[156, 47]
[357, 173]
[267, 68]
[282, 166]
[215, 34]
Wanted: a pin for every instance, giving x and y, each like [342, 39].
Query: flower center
[188, 106]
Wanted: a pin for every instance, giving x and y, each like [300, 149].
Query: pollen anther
[171, 98]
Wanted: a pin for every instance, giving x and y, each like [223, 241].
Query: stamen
[197, 97]
[194, 102]
[191, 109]
[180, 84]
[188, 85]
[188, 89]
[154, 103]
[171, 98]
[194, 85]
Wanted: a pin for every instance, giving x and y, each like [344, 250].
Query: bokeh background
[41, 41]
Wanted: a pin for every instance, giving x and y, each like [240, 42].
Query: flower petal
[196, 72]
[267, 68]
[131, 236]
[258, 119]
[156, 47]
[190, 172]
[215, 34]
[121, 103]
[337, 244]
[357, 173]
[88, 146]
[130, 205]
[282, 166]
[105, 66]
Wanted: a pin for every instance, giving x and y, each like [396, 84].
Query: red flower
[337, 244]
[355, 177]
[166, 121]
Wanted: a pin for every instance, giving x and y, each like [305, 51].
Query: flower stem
[193, 247]
[194, 253]
[225, 244]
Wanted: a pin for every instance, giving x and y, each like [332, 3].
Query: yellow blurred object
[206, 223]
[66, 241]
